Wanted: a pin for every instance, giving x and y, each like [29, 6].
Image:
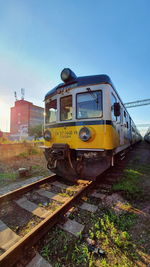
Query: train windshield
[51, 111]
[89, 105]
[66, 108]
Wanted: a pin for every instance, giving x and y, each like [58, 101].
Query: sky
[39, 38]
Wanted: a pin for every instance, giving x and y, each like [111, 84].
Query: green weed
[91, 234]
[129, 184]
[64, 194]
[8, 175]
[104, 263]
[80, 254]
[46, 252]
[71, 216]
[35, 167]
[33, 151]
[23, 155]
[144, 168]
[123, 222]
[112, 228]
[57, 264]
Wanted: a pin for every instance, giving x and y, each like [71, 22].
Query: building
[24, 115]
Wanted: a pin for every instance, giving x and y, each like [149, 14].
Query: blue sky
[39, 38]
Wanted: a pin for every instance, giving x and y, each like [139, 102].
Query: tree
[35, 131]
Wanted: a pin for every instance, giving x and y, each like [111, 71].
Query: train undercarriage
[74, 164]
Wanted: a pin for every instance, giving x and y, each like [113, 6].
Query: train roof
[82, 81]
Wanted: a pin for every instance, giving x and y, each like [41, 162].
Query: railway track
[60, 198]
[46, 201]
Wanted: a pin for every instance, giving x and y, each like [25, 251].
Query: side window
[113, 100]
[66, 108]
[51, 111]
[126, 119]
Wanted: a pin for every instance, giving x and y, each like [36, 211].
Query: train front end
[78, 134]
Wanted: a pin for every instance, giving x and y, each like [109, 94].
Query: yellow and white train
[147, 136]
[86, 125]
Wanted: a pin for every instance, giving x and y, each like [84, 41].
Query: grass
[66, 194]
[59, 243]
[80, 254]
[46, 252]
[8, 175]
[31, 151]
[23, 155]
[106, 229]
[144, 169]
[6, 178]
[72, 252]
[130, 183]
[110, 233]
[1, 251]
[123, 222]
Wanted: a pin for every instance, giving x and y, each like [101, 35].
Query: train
[86, 126]
[147, 136]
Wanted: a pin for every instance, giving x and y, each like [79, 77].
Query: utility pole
[15, 94]
[22, 93]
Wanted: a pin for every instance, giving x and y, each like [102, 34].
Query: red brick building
[24, 115]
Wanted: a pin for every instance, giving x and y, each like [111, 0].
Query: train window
[126, 119]
[51, 111]
[66, 108]
[89, 105]
[113, 100]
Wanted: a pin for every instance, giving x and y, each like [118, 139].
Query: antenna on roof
[15, 94]
[22, 93]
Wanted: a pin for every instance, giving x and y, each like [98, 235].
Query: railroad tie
[53, 196]
[72, 227]
[32, 207]
[98, 195]
[7, 237]
[61, 185]
[38, 261]
[88, 207]
[64, 186]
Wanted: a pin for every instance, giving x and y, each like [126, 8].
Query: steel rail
[26, 188]
[13, 254]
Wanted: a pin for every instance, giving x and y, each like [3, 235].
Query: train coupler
[60, 151]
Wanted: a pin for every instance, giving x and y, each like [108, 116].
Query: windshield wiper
[95, 97]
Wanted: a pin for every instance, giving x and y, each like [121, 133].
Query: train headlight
[85, 134]
[67, 75]
[47, 135]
